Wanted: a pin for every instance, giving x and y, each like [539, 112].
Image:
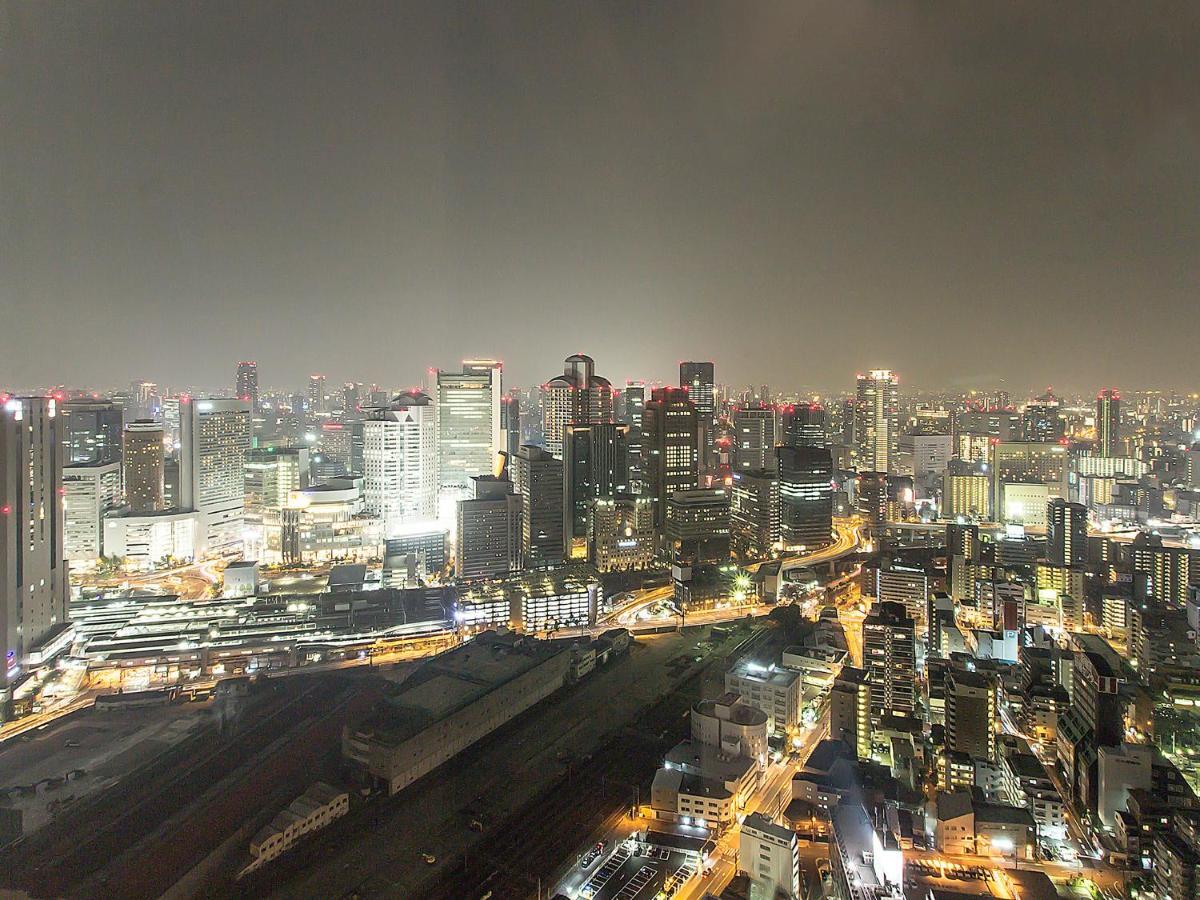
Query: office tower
[1160, 572]
[335, 439]
[90, 492]
[143, 460]
[873, 498]
[468, 427]
[1025, 475]
[538, 479]
[1066, 533]
[805, 496]
[215, 434]
[172, 492]
[247, 384]
[977, 430]
[316, 395]
[971, 714]
[594, 466]
[669, 451]
[510, 423]
[697, 526]
[850, 711]
[632, 409]
[621, 533]
[803, 425]
[578, 395]
[770, 854]
[92, 432]
[170, 421]
[1108, 422]
[1042, 420]
[962, 555]
[272, 474]
[351, 397]
[143, 400]
[876, 426]
[754, 513]
[33, 568]
[400, 484]
[698, 379]
[488, 530]
[889, 657]
[966, 491]
[753, 437]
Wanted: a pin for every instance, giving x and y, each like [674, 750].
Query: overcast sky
[962, 192]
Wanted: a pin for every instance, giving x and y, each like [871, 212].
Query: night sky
[962, 192]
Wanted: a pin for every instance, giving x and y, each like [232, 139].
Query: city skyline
[417, 169]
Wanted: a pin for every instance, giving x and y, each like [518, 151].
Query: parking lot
[631, 871]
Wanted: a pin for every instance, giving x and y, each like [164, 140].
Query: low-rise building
[770, 855]
[775, 690]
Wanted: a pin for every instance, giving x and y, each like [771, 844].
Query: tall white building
[577, 395]
[89, 494]
[770, 855]
[33, 569]
[400, 483]
[469, 427]
[214, 438]
[876, 425]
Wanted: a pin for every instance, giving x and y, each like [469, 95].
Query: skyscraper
[632, 411]
[803, 425]
[510, 423]
[971, 714]
[1042, 419]
[90, 492]
[889, 656]
[962, 553]
[33, 569]
[247, 384]
[538, 479]
[754, 513]
[1066, 533]
[754, 437]
[670, 457]
[142, 460]
[594, 466]
[215, 434]
[316, 395]
[805, 496]
[1108, 422]
[92, 432]
[400, 484]
[876, 420]
[698, 378]
[488, 530]
[469, 428]
[578, 395]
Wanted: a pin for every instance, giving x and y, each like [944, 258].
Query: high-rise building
[510, 423]
[488, 530]
[469, 430]
[631, 414]
[850, 711]
[962, 554]
[144, 402]
[1042, 419]
[621, 533]
[33, 567]
[966, 491]
[316, 395]
[90, 492]
[805, 496]
[247, 384]
[215, 435]
[697, 526]
[1108, 422]
[272, 474]
[538, 480]
[143, 461]
[754, 513]
[970, 714]
[876, 426]
[595, 465]
[1021, 463]
[754, 437]
[578, 395]
[889, 656]
[92, 432]
[698, 379]
[1066, 533]
[670, 458]
[872, 500]
[400, 461]
[803, 425]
